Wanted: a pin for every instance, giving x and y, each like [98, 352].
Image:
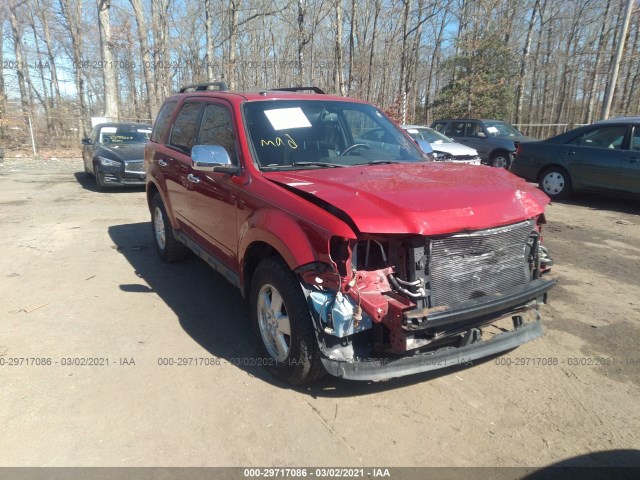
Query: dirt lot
[79, 279]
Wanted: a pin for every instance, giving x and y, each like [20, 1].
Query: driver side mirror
[86, 141]
[212, 158]
[481, 135]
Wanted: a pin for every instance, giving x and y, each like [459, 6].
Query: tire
[283, 325]
[500, 159]
[100, 184]
[168, 247]
[555, 182]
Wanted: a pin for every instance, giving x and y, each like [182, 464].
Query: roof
[124, 124]
[621, 120]
[301, 93]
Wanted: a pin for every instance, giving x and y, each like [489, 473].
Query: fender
[283, 233]
[160, 186]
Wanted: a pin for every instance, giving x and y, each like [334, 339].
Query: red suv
[358, 255]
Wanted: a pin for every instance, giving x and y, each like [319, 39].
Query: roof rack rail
[299, 89]
[200, 87]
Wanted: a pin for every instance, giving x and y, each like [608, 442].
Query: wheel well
[544, 170]
[151, 192]
[497, 151]
[256, 252]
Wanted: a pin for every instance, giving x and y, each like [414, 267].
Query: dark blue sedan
[603, 157]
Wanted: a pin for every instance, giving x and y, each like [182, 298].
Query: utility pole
[613, 77]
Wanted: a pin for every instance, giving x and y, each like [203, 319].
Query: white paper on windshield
[412, 130]
[285, 118]
[492, 130]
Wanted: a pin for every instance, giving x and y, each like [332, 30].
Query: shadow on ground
[603, 465]
[602, 201]
[215, 315]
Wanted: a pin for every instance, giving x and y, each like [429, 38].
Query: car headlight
[107, 162]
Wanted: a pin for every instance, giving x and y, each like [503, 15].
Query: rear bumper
[383, 368]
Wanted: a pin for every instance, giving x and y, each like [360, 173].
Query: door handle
[162, 163]
[192, 178]
[634, 160]
[571, 152]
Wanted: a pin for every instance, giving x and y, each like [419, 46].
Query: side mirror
[481, 135]
[86, 141]
[212, 158]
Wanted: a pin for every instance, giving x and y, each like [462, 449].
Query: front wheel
[168, 247]
[500, 160]
[283, 325]
[100, 183]
[555, 182]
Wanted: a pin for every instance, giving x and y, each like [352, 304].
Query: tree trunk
[20, 65]
[376, 14]
[73, 15]
[143, 40]
[339, 52]
[523, 63]
[109, 76]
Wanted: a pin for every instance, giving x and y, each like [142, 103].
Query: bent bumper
[384, 368]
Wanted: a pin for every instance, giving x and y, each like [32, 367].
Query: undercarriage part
[338, 314]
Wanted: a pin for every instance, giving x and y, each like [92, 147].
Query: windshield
[291, 134]
[124, 135]
[428, 134]
[501, 129]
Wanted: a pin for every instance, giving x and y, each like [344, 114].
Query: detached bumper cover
[384, 369]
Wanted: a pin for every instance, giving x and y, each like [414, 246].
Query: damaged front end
[392, 305]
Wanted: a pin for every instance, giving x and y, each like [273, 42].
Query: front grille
[134, 166]
[472, 265]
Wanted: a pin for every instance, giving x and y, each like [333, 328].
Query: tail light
[518, 149]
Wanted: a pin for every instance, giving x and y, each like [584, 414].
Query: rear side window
[604, 137]
[162, 121]
[184, 129]
[635, 140]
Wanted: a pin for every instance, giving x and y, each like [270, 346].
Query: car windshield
[501, 129]
[294, 134]
[428, 134]
[123, 135]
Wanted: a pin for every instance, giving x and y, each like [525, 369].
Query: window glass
[162, 121]
[635, 140]
[474, 130]
[439, 126]
[312, 134]
[456, 129]
[217, 129]
[603, 137]
[184, 128]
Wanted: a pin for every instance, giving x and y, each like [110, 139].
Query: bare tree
[108, 63]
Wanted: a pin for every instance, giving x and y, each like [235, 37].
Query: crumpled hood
[453, 148]
[419, 198]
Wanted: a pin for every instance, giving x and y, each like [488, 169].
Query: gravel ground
[79, 279]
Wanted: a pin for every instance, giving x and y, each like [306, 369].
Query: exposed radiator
[480, 263]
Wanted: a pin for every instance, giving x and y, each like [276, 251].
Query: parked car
[603, 157]
[360, 259]
[114, 153]
[378, 136]
[495, 140]
[443, 147]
